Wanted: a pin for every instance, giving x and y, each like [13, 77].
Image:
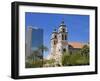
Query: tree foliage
[49, 63]
[80, 57]
[36, 59]
[85, 50]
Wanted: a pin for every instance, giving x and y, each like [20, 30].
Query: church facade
[60, 44]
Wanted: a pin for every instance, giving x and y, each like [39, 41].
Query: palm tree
[33, 58]
[41, 49]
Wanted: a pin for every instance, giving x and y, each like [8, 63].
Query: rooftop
[76, 44]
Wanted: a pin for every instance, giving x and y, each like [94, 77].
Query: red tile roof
[76, 44]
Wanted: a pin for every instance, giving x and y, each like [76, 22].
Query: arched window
[55, 36]
[64, 50]
[62, 37]
[63, 30]
[54, 42]
[65, 37]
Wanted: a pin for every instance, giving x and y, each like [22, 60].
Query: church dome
[54, 34]
[62, 27]
[54, 31]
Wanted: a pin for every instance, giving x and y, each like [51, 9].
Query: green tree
[42, 48]
[79, 57]
[33, 60]
[65, 59]
[49, 62]
[85, 50]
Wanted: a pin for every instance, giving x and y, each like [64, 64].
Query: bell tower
[54, 40]
[62, 38]
[59, 43]
[62, 32]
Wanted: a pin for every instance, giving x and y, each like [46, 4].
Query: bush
[75, 59]
[31, 63]
[65, 59]
[49, 63]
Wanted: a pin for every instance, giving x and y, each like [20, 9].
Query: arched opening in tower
[64, 50]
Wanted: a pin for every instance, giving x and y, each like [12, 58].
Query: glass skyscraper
[33, 43]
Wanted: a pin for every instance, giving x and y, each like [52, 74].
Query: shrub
[75, 58]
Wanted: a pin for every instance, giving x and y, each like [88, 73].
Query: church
[60, 44]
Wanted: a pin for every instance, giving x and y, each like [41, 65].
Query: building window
[65, 37]
[54, 42]
[64, 50]
[62, 37]
[55, 36]
[59, 49]
[63, 30]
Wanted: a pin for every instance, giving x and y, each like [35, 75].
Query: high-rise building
[33, 41]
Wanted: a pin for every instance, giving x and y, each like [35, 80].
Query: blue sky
[77, 25]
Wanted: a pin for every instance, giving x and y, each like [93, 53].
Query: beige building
[60, 44]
